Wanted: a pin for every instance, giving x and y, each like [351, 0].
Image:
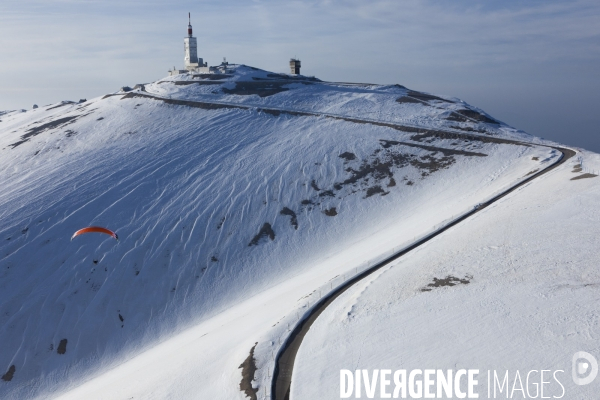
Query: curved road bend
[284, 363]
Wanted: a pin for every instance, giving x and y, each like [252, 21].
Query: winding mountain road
[284, 362]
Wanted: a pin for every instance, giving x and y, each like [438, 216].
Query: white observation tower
[191, 60]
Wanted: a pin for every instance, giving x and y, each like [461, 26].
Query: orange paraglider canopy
[98, 229]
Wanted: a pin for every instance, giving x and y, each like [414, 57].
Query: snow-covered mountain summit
[221, 187]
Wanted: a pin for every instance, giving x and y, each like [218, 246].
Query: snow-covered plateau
[243, 198]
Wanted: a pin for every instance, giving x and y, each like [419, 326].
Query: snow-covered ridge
[389, 103]
[215, 205]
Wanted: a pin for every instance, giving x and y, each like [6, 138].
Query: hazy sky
[532, 64]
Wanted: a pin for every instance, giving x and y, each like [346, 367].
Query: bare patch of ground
[332, 212]
[469, 129]
[294, 217]
[248, 370]
[347, 156]
[467, 115]
[64, 103]
[378, 168]
[58, 123]
[370, 174]
[429, 164]
[7, 377]
[447, 281]
[584, 176]
[62, 347]
[327, 193]
[425, 97]
[265, 231]
[531, 172]
[374, 190]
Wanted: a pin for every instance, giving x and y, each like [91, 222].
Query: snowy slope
[223, 206]
[528, 299]
[388, 103]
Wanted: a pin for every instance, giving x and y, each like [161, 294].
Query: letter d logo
[580, 368]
